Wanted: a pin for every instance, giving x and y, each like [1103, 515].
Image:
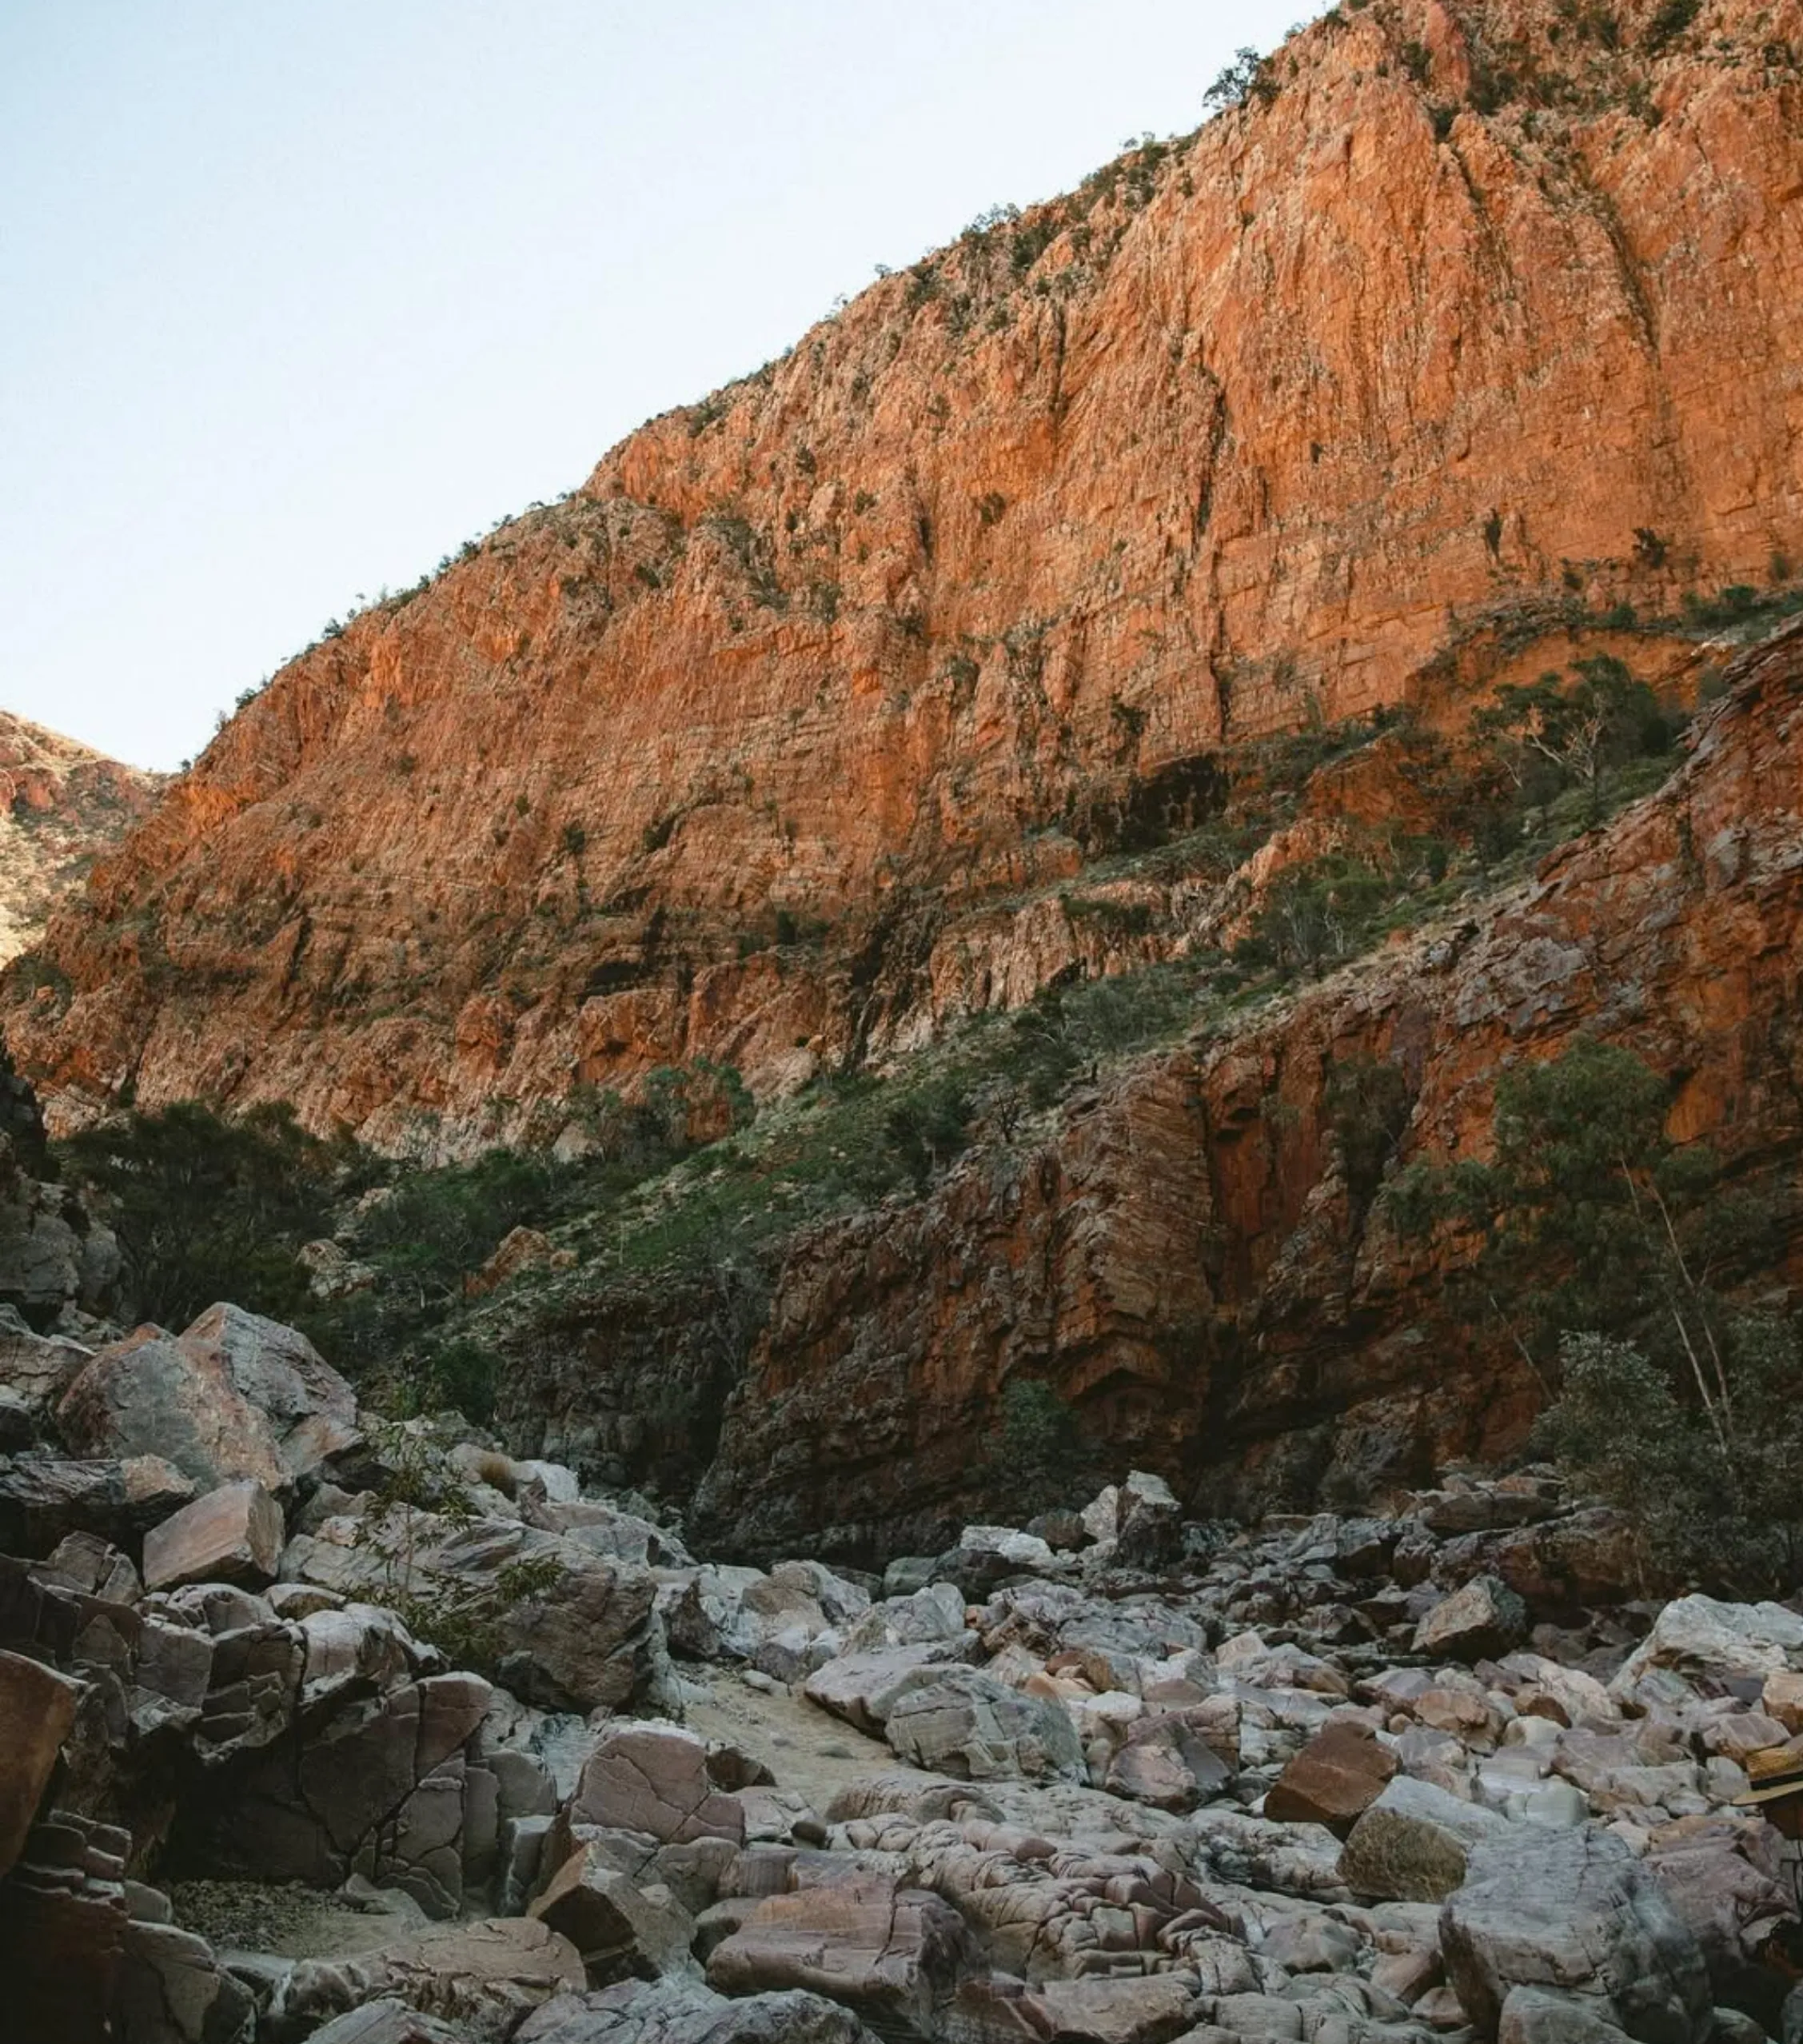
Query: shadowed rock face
[1188, 1266]
[1478, 314]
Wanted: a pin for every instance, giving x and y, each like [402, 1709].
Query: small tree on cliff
[1601, 1246]
[1559, 732]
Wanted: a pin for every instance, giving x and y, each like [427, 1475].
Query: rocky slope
[1479, 328]
[61, 806]
[367, 1733]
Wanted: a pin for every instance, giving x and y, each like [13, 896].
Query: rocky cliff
[61, 805]
[1190, 1253]
[1474, 322]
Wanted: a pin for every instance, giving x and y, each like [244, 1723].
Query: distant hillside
[61, 805]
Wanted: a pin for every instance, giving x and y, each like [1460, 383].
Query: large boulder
[482, 1977]
[863, 1688]
[1574, 1912]
[44, 1499]
[36, 1369]
[390, 1787]
[619, 1927]
[234, 1396]
[1483, 1620]
[966, 1724]
[1413, 1842]
[653, 1778]
[574, 1630]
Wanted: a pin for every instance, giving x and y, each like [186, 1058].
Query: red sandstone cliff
[1489, 316]
[1182, 1257]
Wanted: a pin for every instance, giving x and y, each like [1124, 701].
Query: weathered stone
[232, 1534]
[482, 1977]
[387, 2021]
[862, 1688]
[618, 1926]
[44, 1499]
[893, 1955]
[1333, 1780]
[684, 2012]
[587, 1635]
[1702, 1635]
[1482, 1621]
[1167, 1761]
[966, 1724]
[1574, 1911]
[172, 1990]
[653, 1778]
[36, 1708]
[381, 1788]
[1412, 1844]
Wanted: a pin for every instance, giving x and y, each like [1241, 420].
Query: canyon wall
[1483, 322]
[1188, 1261]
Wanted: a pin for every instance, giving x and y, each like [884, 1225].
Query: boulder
[653, 1778]
[684, 2012]
[1167, 1761]
[576, 1631]
[893, 1955]
[1334, 1779]
[1412, 1844]
[387, 2021]
[1148, 1519]
[44, 1499]
[966, 1724]
[1703, 1636]
[234, 1396]
[36, 1708]
[1724, 1875]
[482, 1977]
[385, 1787]
[1482, 1621]
[1574, 1912]
[618, 1927]
[862, 1688]
[1543, 2015]
[232, 1534]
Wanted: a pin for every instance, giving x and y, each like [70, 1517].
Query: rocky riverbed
[318, 1726]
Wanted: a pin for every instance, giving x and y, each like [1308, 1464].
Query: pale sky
[294, 298]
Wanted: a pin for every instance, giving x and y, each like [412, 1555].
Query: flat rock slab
[1333, 1780]
[232, 1534]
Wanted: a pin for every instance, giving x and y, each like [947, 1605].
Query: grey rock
[1412, 1843]
[966, 1724]
[234, 1396]
[1574, 1911]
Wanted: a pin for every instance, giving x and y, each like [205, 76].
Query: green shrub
[1039, 1458]
[209, 1206]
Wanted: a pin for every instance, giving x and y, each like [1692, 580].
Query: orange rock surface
[1482, 319]
[1185, 1262]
